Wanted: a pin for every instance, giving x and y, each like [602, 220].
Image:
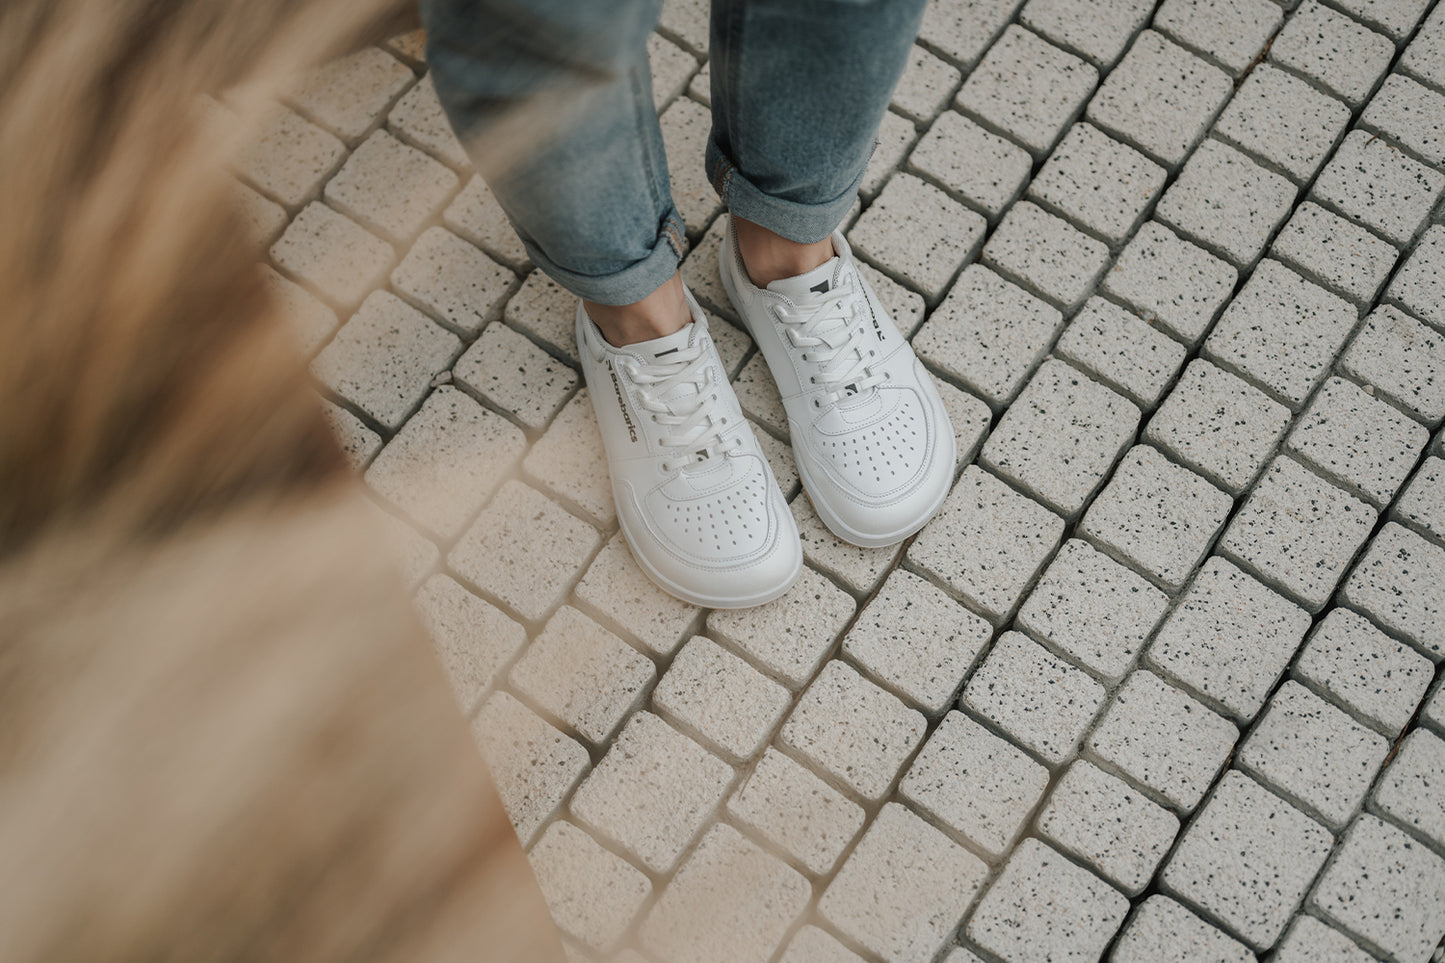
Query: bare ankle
[771, 257]
[661, 313]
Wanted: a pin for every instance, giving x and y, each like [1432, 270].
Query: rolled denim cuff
[632, 283]
[794, 220]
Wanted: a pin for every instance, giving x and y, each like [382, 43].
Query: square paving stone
[446, 461]
[653, 791]
[1401, 583]
[858, 568]
[916, 640]
[1425, 57]
[989, 334]
[1281, 332]
[1163, 739]
[1346, 57]
[1171, 282]
[1313, 753]
[1354, 664]
[963, 31]
[731, 705]
[1308, 940]
[475, 215]
[1160, 98]
[1092, 609]
[1028, 87]
[1229, 32]
[895, 136]
[852, 729]
[307, 316]
[1372, 183]
[1227, 202]
[987, 542]
[546, 313]
[1157, 515]
[1402, 359]
[1047, 253]
[1419, 286]
[1359, 441]
[358, 442]
[926, 86]
[1043, 906]
[903, 889]
[1410, 791]
[790, 636]
[1098, 32]
[339, 258]
[347, 96]
[1422, 503]
[1117, 830]
[1098, 183]
[796, 811]
[981, 786]
[507, 369]
[532, 764]
[1387, 888]
[1247, 859]
[566, 460]
[592, 894]
[1395, 17]
[473, 638]
[1122, 350]
[458, 284]
[918, 233]
[1298, 533]
[980, 167]
[1163, 931]
[1061, 436]
[289, 157]
[685, 125]
[391, 188]
[1040, 700]
[1220, 426]
[1229, 639]
[1284, 120]
[1342, 256]
[1410, 114]
[419, 119]
[731, 902]
[812, 945]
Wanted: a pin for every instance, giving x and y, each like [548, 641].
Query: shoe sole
[708, 601]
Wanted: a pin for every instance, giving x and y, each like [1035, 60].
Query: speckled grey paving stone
[582, 674]
[1422, 503]
[989, 334]
[1047, 253]
[592, 894]
[1410, 791]
[970, 417]
[1372, 183]
[524, 549]
[964, 29]
[727, 702]
[514, 374]
[758, 395]
[1160, 98]
[1419, 285]
[1163, 739]
[1247, 858]
[308, 318]
[987, 542]
[1229, 639]
[850, 728]
[1432, 713]
[1313, 753]
[731, 902]
[981, 167]
[1113, 828]
[446, 461]
[391, 188]
[289, 157]
[918, 233]
[473, 638]
[418, 118]
[1284, 120]
[926, 86]
[812, 945]
[1227, 202]
[1345, 56]
[1098, 32]
[795, 810]
[358, 442]
[1044, 907]
[1425, 57]
[1028, 87]
[1218, 425]
[1355, 665]
[903, 889]
[1092, 609]
[1061, 436]
[1123, 351]
[1040, 700]
[458, 284]
[1158, 515]
[672, 67]
[1342, 256]
[1402, 359]
[1395, 17]
[978, 784]
[858, 568]
[1387, 888]
[1410, 114]
[1401, 583]
[1098, 183]
[652, 792]
[384, 358]
[1163, 931]
[475, 215]
[568, 459]
[896, 135]
[1231, 32]
[333, 254]
[347, 95]
[533, 765]
[916, 640]
[790, 636]
[1281, 331]
[1308, 941]
[1171, 282]
[1358, 441]
[1298, 532]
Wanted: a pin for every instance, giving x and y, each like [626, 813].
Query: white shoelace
[696, 431]
[837, 331]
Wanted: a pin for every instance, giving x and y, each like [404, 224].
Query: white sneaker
[870, 435]
[695, 497]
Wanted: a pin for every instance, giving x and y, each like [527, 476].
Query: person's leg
[554, 100]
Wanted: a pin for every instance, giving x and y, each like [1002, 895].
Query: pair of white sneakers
[695, 496]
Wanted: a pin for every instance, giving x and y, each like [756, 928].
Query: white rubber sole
[709, 601]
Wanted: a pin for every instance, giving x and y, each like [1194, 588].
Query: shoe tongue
[815, 283]
[663, 350]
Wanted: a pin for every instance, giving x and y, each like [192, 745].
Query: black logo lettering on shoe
[877, 328]
[820, 288]
[626, 418]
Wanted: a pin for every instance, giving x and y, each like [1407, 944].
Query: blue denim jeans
[554, 100]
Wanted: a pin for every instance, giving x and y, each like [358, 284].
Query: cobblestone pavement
[1160, 682]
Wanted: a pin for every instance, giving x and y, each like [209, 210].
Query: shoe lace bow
[833, 332]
